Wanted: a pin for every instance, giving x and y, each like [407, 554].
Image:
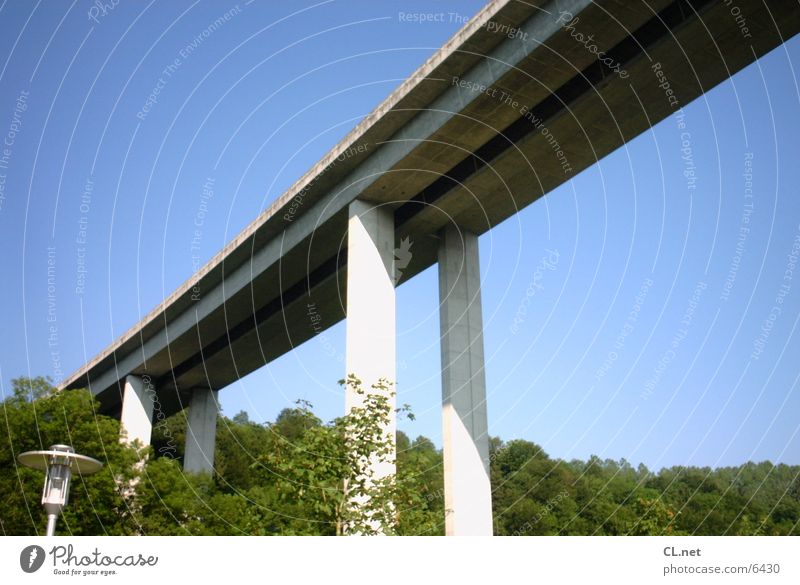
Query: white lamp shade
[80, 464]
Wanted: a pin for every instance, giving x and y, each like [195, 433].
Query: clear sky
[627, 314]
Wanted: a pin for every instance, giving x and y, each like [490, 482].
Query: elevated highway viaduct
[520, 100]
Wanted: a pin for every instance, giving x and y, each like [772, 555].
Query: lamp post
[58, 463]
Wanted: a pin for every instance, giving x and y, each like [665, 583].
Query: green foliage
[419, 491]
[34, 418]
[306, 472]
[534, 494]
[299, 475]
[328, 469]
[368, 499]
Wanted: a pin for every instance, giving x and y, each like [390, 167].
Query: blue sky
[612, 324]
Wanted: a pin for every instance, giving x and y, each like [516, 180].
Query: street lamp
[58, 464]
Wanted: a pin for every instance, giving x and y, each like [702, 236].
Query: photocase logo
[31, 558]
[402, 257]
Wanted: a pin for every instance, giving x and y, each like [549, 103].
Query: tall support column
[137, 410]
[468, 495]
[371, 305]
[201, 431]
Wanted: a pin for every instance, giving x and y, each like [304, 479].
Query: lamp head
[59, 462]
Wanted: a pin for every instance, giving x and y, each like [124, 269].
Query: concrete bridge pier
[201, 431]
[370, 337]
[468, 495]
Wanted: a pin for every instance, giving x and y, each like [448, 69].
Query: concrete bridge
[521, 99]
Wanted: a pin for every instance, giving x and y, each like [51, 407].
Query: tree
[419, 493]
[330, 468]
[653, 518]
[34, 417]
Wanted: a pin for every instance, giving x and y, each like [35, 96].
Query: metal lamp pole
[58, 463]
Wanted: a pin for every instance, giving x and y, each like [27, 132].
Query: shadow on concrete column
[468, 494]
[201, 431]
[136, 419]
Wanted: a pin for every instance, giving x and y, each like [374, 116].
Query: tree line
[296, 475]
